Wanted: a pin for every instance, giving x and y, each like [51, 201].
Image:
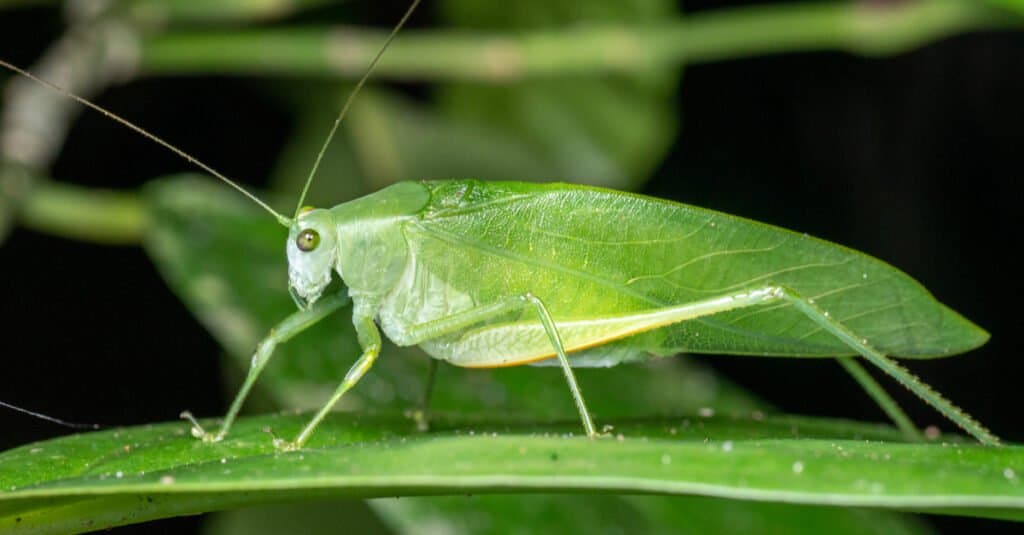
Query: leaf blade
[95, 477]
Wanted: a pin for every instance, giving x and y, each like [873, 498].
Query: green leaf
[569, 513]
[600, 130]
[319, 517]
[1014, 5]
[630, 514]
[388, 138]
[108, 478]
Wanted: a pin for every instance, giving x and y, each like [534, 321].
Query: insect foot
[198, 431]
[281, 444]
[419, 417]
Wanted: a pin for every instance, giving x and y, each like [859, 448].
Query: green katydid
[501, 274]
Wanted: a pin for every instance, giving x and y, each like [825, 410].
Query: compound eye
[307, 240]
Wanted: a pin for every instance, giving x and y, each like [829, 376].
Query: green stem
[88, 214]
[854, 27]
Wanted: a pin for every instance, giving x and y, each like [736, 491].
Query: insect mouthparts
[300, 301]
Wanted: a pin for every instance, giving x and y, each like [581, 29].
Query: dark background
[914, 159]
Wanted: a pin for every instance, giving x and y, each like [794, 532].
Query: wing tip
[957, 335]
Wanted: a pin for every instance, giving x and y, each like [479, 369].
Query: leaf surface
[128, 475]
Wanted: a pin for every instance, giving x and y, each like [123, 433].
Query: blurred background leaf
[1016, 5]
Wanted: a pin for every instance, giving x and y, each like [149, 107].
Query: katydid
[501, 274]
[488, 274]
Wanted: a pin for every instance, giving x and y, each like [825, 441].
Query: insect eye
[307, 240]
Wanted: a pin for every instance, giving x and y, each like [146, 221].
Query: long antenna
[152, 137]
[348, 102]
[57, 421]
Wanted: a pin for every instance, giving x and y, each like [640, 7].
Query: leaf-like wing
[589, 252]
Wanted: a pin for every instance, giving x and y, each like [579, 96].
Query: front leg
[282, 332]
[369, 340]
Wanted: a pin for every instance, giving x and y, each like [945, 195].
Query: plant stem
[855, 27]
[89, 214]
